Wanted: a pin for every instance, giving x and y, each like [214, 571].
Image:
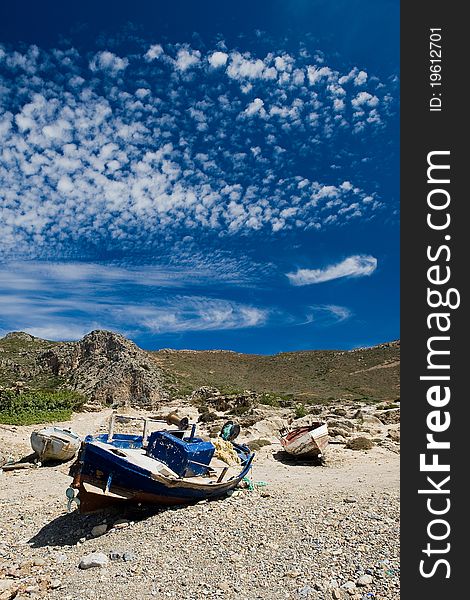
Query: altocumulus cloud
[353, 266]
[112, 151]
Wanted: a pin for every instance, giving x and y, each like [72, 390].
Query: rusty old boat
[306, 442]
[55, 444]
[167, 467]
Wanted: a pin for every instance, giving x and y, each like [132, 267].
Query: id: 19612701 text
[435, 69]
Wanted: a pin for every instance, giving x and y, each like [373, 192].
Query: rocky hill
[111, 370]
[105, 367]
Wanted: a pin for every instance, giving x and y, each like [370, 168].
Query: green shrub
[360, 443]
[269, 399]
[207, 417]
[300, 411]
[41, 406]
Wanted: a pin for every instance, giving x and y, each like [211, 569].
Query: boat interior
[217, 469]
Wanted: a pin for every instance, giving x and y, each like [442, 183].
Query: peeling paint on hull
[53, 443]
[309, 441]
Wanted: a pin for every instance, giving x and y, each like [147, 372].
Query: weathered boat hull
[103, 480]
[308, 442]
[54, 443]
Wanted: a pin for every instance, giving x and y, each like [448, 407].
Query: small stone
[95, 559]
[121, 523]
[128, 556]
[55, 584]
[305, 592]
[61, 558]
[293, 574]
[349, 585]
[99, 530]
[9, 586]
[364, 580]
[31, 589]
[350, 500]
[115, 555]
[39, 562]
[338, 594]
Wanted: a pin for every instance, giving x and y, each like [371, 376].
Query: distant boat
[54, 443]
[306, 442]
[171, 467]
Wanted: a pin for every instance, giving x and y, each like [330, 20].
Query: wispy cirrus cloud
[193, 271]
[353, 266]
[327, 314]
[64, 301]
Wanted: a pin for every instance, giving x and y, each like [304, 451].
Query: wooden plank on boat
[95, 489]
[15, 466]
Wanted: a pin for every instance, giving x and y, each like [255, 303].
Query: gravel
[314, 533]
[245, 546]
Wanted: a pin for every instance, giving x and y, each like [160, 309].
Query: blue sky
[201, 176]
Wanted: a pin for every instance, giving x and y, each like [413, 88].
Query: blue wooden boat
[169, 467]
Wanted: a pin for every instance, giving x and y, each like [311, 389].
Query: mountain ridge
[109, 369]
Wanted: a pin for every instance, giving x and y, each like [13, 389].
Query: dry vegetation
[370, 374]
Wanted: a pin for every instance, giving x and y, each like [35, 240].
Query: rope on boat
[225, 451]
[253, 485]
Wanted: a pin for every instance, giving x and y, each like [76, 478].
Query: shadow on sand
[292, 461]
[70, 528]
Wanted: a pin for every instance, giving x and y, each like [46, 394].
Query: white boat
[54, 443]
[308, 441]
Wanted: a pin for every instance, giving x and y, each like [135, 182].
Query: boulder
[336, 431]
[267, 429]
[389, 416]
[367, 418]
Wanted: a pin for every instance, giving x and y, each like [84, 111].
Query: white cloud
[109, 62]
[364, 98]
[353, 266]
[360, 78]
[255, 107]
[241, 67]
[65, 184]
[197, 314]
[327, 314]
[187, 58]
[340, 312]
[218, 59]
[315, 74]
[338, 104]
[88, 161]
[155, 51]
